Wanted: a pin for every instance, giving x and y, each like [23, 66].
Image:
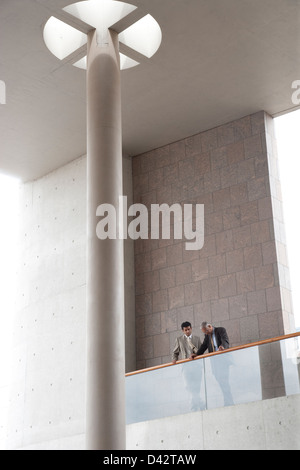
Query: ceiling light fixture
[63, 40]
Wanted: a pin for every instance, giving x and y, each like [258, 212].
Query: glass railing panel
[271, 370]
[232, 378]
[262, 371]
[165, 392]
[290, 354]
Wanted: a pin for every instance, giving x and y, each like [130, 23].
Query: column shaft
[105, 390]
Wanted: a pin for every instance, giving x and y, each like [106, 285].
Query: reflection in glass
[271, 369]
[290, 353]
[192, 377]
[232, 378]
[165, 392]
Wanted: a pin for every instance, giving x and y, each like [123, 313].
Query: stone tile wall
[233, 281]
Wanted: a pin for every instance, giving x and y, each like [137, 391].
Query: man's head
[207, 328]
[186, 328]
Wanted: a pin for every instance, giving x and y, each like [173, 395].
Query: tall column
[105, 391]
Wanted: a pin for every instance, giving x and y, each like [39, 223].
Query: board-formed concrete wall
[47, 393]
[48, 357]
[265, 425]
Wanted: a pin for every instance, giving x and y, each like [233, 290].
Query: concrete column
[105, 392]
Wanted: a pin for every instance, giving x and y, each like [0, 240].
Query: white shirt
[214, 340]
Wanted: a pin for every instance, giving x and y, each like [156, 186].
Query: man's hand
[193, 355]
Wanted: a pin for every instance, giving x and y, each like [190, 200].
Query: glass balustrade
[244, 375]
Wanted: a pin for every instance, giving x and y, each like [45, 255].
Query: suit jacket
[221, 338]
[183, 348]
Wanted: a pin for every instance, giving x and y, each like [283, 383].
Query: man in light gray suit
[186, 344]
[190, 372]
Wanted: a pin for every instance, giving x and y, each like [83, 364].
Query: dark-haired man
[186, 344]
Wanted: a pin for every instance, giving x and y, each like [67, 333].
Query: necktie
[212, 343]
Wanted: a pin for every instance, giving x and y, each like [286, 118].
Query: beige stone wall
[234, 280]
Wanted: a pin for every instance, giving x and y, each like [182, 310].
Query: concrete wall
[265, 425]
[48, 363]
[130, 326]
[46, 400]
[238, 280]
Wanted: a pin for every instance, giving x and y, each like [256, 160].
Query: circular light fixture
[64, 40]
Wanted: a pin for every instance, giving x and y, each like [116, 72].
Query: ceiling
[219, 60]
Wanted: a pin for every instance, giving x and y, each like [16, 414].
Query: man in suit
[216, 339]
[186, 344]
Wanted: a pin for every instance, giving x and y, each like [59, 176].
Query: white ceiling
[219, 60]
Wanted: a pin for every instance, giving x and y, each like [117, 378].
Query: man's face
[187, 330]
[207, 330]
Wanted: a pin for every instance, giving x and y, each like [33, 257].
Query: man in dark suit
[216, 339]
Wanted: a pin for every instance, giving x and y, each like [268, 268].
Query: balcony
[247, 374]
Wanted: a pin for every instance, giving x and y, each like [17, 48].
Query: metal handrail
[236, 348]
